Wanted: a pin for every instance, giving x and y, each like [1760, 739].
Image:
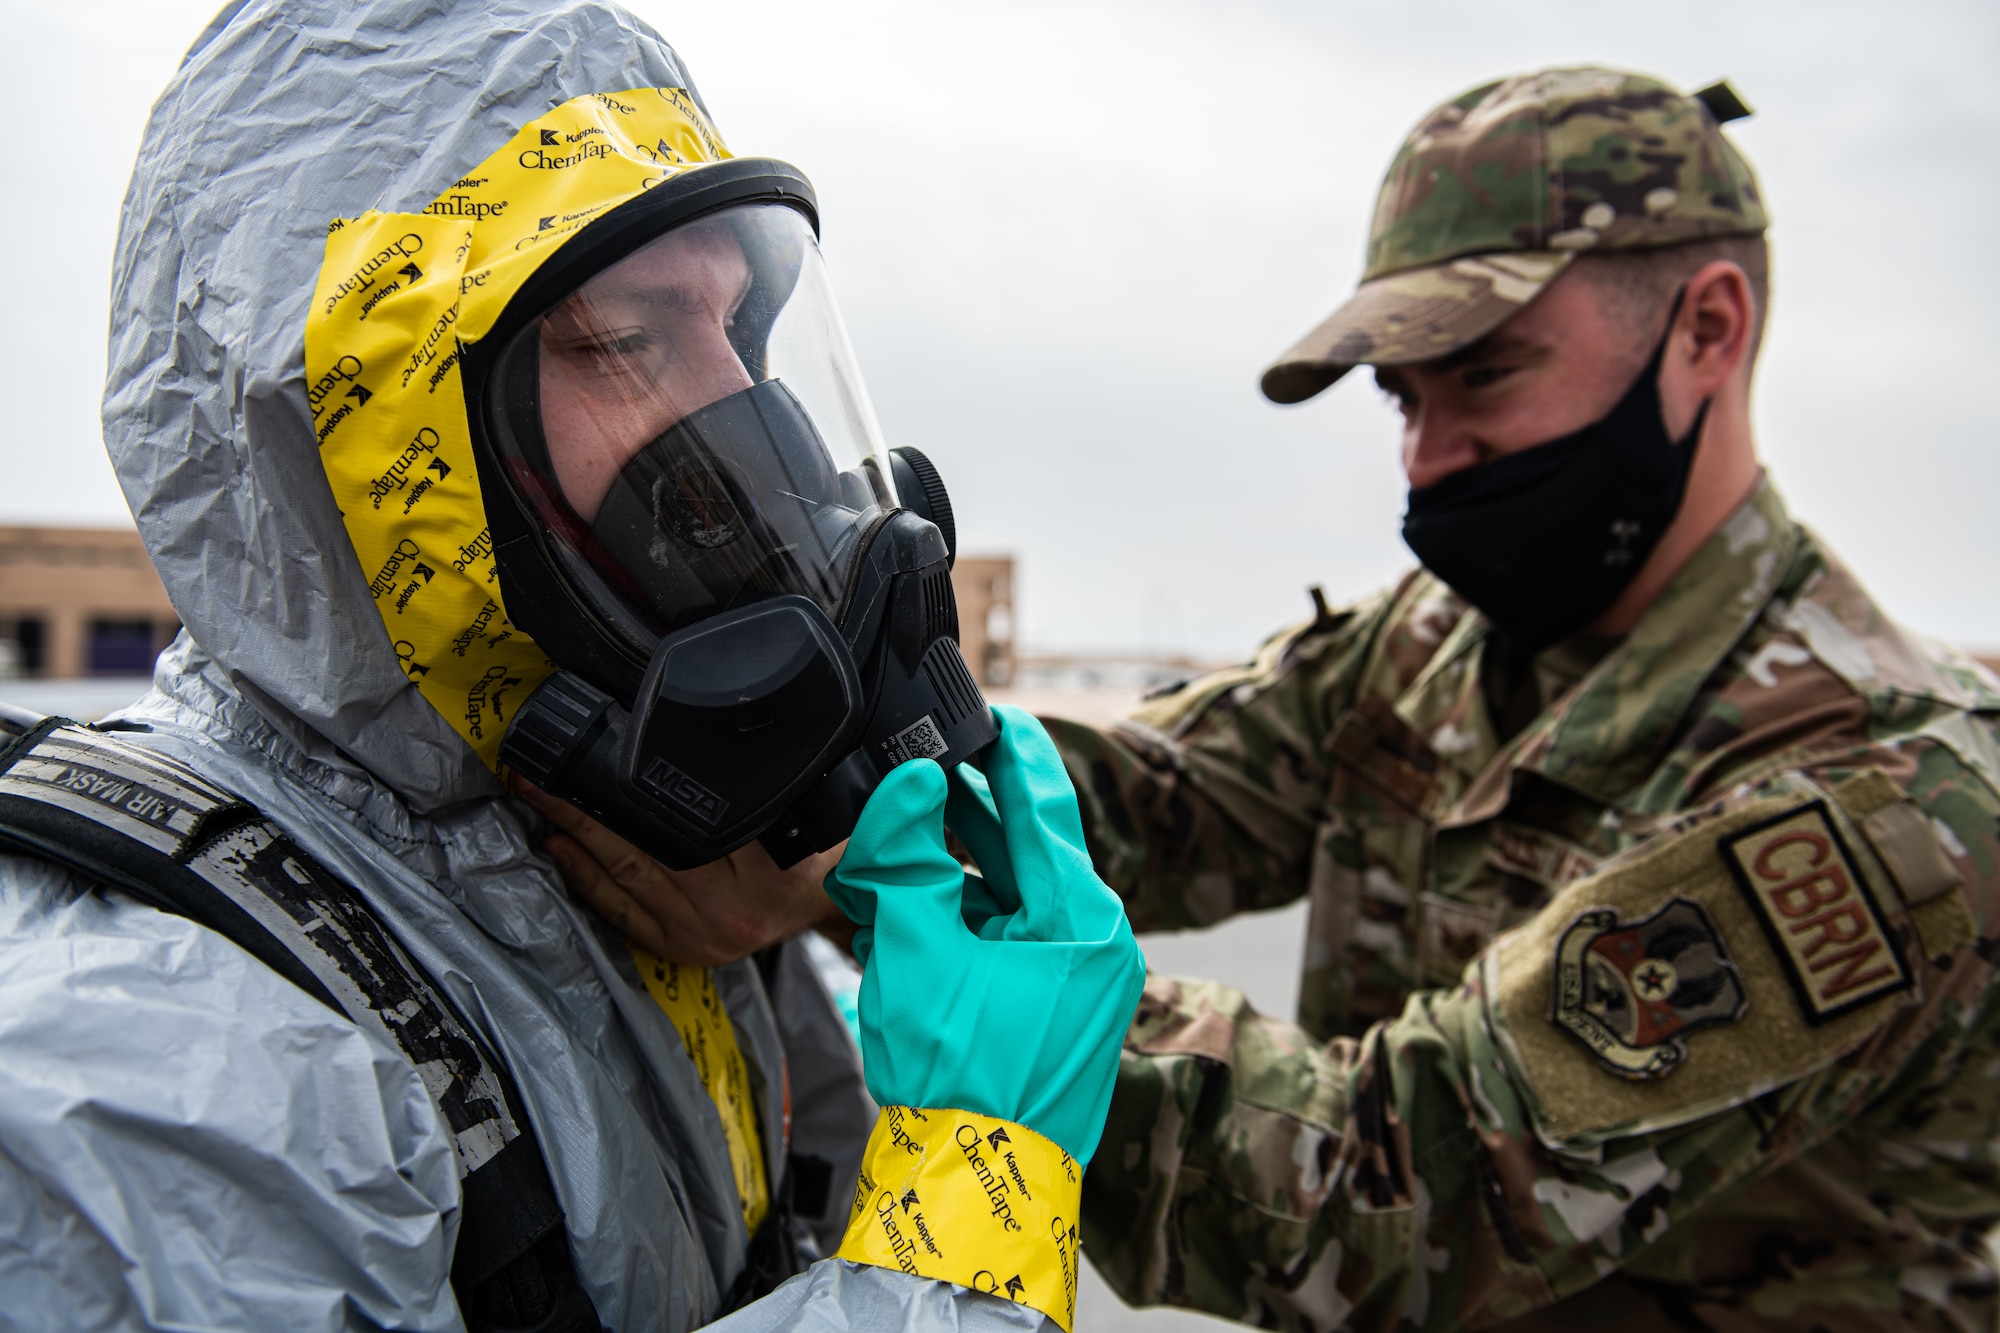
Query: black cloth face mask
[1544, 540]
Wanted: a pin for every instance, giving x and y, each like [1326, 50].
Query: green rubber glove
[1007, 995]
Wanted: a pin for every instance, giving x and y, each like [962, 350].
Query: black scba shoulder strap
[125, 816]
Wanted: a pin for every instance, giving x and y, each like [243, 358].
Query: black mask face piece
[754, 616]
[703, 523]
[1544, 541]
[768, 721]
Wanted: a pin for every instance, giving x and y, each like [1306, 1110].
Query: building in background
[80, 602]
[86, 602]
[984, 586]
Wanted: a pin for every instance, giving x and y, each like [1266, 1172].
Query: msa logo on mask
[669, 782]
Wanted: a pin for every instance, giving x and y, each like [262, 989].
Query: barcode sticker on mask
[920, 740]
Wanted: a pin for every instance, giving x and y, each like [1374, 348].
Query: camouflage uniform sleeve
[1204, 802]
[1489, 1152]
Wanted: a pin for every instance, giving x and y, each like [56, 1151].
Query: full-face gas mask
[694, 515]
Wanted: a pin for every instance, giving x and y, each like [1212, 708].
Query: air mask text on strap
[397, 294]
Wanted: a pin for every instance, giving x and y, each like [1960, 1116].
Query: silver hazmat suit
[186, 1140]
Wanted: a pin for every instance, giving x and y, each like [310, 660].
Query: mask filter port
[922, 491]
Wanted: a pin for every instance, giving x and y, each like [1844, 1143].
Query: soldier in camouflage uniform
[1649, 977]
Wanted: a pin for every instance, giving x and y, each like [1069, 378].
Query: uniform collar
[1608, 734]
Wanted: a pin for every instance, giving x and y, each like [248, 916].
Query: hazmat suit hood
[255, 145]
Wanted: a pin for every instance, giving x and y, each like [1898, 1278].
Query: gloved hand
[1007, 995]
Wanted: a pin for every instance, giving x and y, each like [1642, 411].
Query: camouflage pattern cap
[1496, 192]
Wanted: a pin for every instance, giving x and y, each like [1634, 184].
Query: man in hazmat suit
[1653, 869]
[478, 408]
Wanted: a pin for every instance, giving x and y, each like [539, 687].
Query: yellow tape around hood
[397, 293]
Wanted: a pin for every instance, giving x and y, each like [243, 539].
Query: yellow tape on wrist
[693, 1005]
[962, 1197]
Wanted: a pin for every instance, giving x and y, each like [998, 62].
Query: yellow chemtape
[962, 1197]
[694, 1007]
[397, 294]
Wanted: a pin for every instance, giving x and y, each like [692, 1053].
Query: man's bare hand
[713, 914]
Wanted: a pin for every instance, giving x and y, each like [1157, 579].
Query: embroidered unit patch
[1822, 916]
[1594, 1073]
[1632, 991]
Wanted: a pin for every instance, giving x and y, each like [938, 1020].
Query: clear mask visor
[691, 424]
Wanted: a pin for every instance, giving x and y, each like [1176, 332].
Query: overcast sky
[1068, 236]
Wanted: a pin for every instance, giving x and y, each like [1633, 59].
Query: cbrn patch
[1631, 991]
[1818, 910]
[1566, 1053]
